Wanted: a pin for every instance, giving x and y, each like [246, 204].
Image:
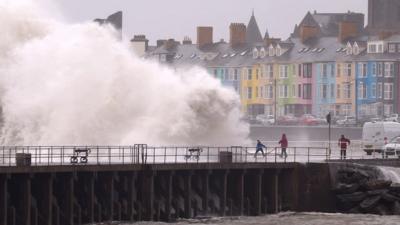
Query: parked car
[287, 120]
[266, 119]
[376, 134]
[250, 119]
[347, 121]
[392, 148]
[309, 120]
[393, 118]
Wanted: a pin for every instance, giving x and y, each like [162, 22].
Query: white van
[374, 134]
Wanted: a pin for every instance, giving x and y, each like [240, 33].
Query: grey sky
[159, 19]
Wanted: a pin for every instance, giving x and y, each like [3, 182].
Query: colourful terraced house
[330, 63]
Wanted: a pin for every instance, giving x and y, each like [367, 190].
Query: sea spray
[76, 84]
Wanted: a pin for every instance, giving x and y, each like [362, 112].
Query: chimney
[161, 42]
[237, 34]
[204, 36]
[347, 30]
[187, 41]
[170, 44]
[140, 44]
[308, 32]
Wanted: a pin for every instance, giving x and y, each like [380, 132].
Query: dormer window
[392, 48]
[349, 49]
[356, 49]
[278, 50]
[380, 48]
[255, 53]
[263, 53]
[271, 51]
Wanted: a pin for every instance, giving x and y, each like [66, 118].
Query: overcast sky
[160, 19]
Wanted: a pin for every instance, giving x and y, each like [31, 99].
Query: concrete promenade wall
[69, 195]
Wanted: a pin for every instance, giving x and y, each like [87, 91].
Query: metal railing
[143, 154]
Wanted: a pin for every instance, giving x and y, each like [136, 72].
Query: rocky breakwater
[360, 191]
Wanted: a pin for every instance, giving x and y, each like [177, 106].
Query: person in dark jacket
[259, 148]
[284, 145]
[343, 143]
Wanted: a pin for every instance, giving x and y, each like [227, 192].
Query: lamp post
[275, 98]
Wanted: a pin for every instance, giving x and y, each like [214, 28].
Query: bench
[82, 153]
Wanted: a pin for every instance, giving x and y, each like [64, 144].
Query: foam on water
[76, 84]
[295, 219]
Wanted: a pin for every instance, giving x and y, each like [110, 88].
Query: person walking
[259, 148]
[284, 145]
[343, 143]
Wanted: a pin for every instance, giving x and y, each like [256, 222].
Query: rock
[382, 210]
[395, 187]
[396, 208]
[376, 192]
[377, 184]
[354, 197]
[346, 188]
[389, 197]
[369, 203]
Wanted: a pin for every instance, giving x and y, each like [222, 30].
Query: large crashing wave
[76, 84]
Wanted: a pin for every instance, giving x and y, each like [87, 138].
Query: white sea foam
[76, 84]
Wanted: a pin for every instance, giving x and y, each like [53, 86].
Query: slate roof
[328, 23]
[253, 34]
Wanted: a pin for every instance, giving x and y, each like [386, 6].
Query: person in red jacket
[284, 145]
[343, 143]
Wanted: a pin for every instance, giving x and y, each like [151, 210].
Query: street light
[274, 83]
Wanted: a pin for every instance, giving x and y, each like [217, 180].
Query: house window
[332, 91]
[379, 90]
[324, 70]
[339, 70]
[363, 68]
[392, 48]
[307, 91]
[347, 69]
[256, 92]
[271, 51]
[398, 46]
[374, 69]
[226, 74]
[362, 91]
[249, 74]
[257, 74]
[307, 70]
[255, 53]
[283, 71]
[347, 91]
[388, 109]
[249, 92]
[278, 51]
[324, 90]
[235, 74]
[338, 91]
[332, 70]
[270, 71]
[373, 90]
[389, 69]
[271, 91]
[283, 91]
[299, 70]
[388, 91]
[371, 48]
[293, 91]
[380, 69]
[380, 48]
[299, 90]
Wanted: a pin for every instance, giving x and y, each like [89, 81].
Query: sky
[162, 19]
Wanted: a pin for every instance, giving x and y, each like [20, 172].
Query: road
[303, 133]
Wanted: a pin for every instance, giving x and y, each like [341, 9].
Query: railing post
[294, 154]
[275, 149]
[308, 154]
